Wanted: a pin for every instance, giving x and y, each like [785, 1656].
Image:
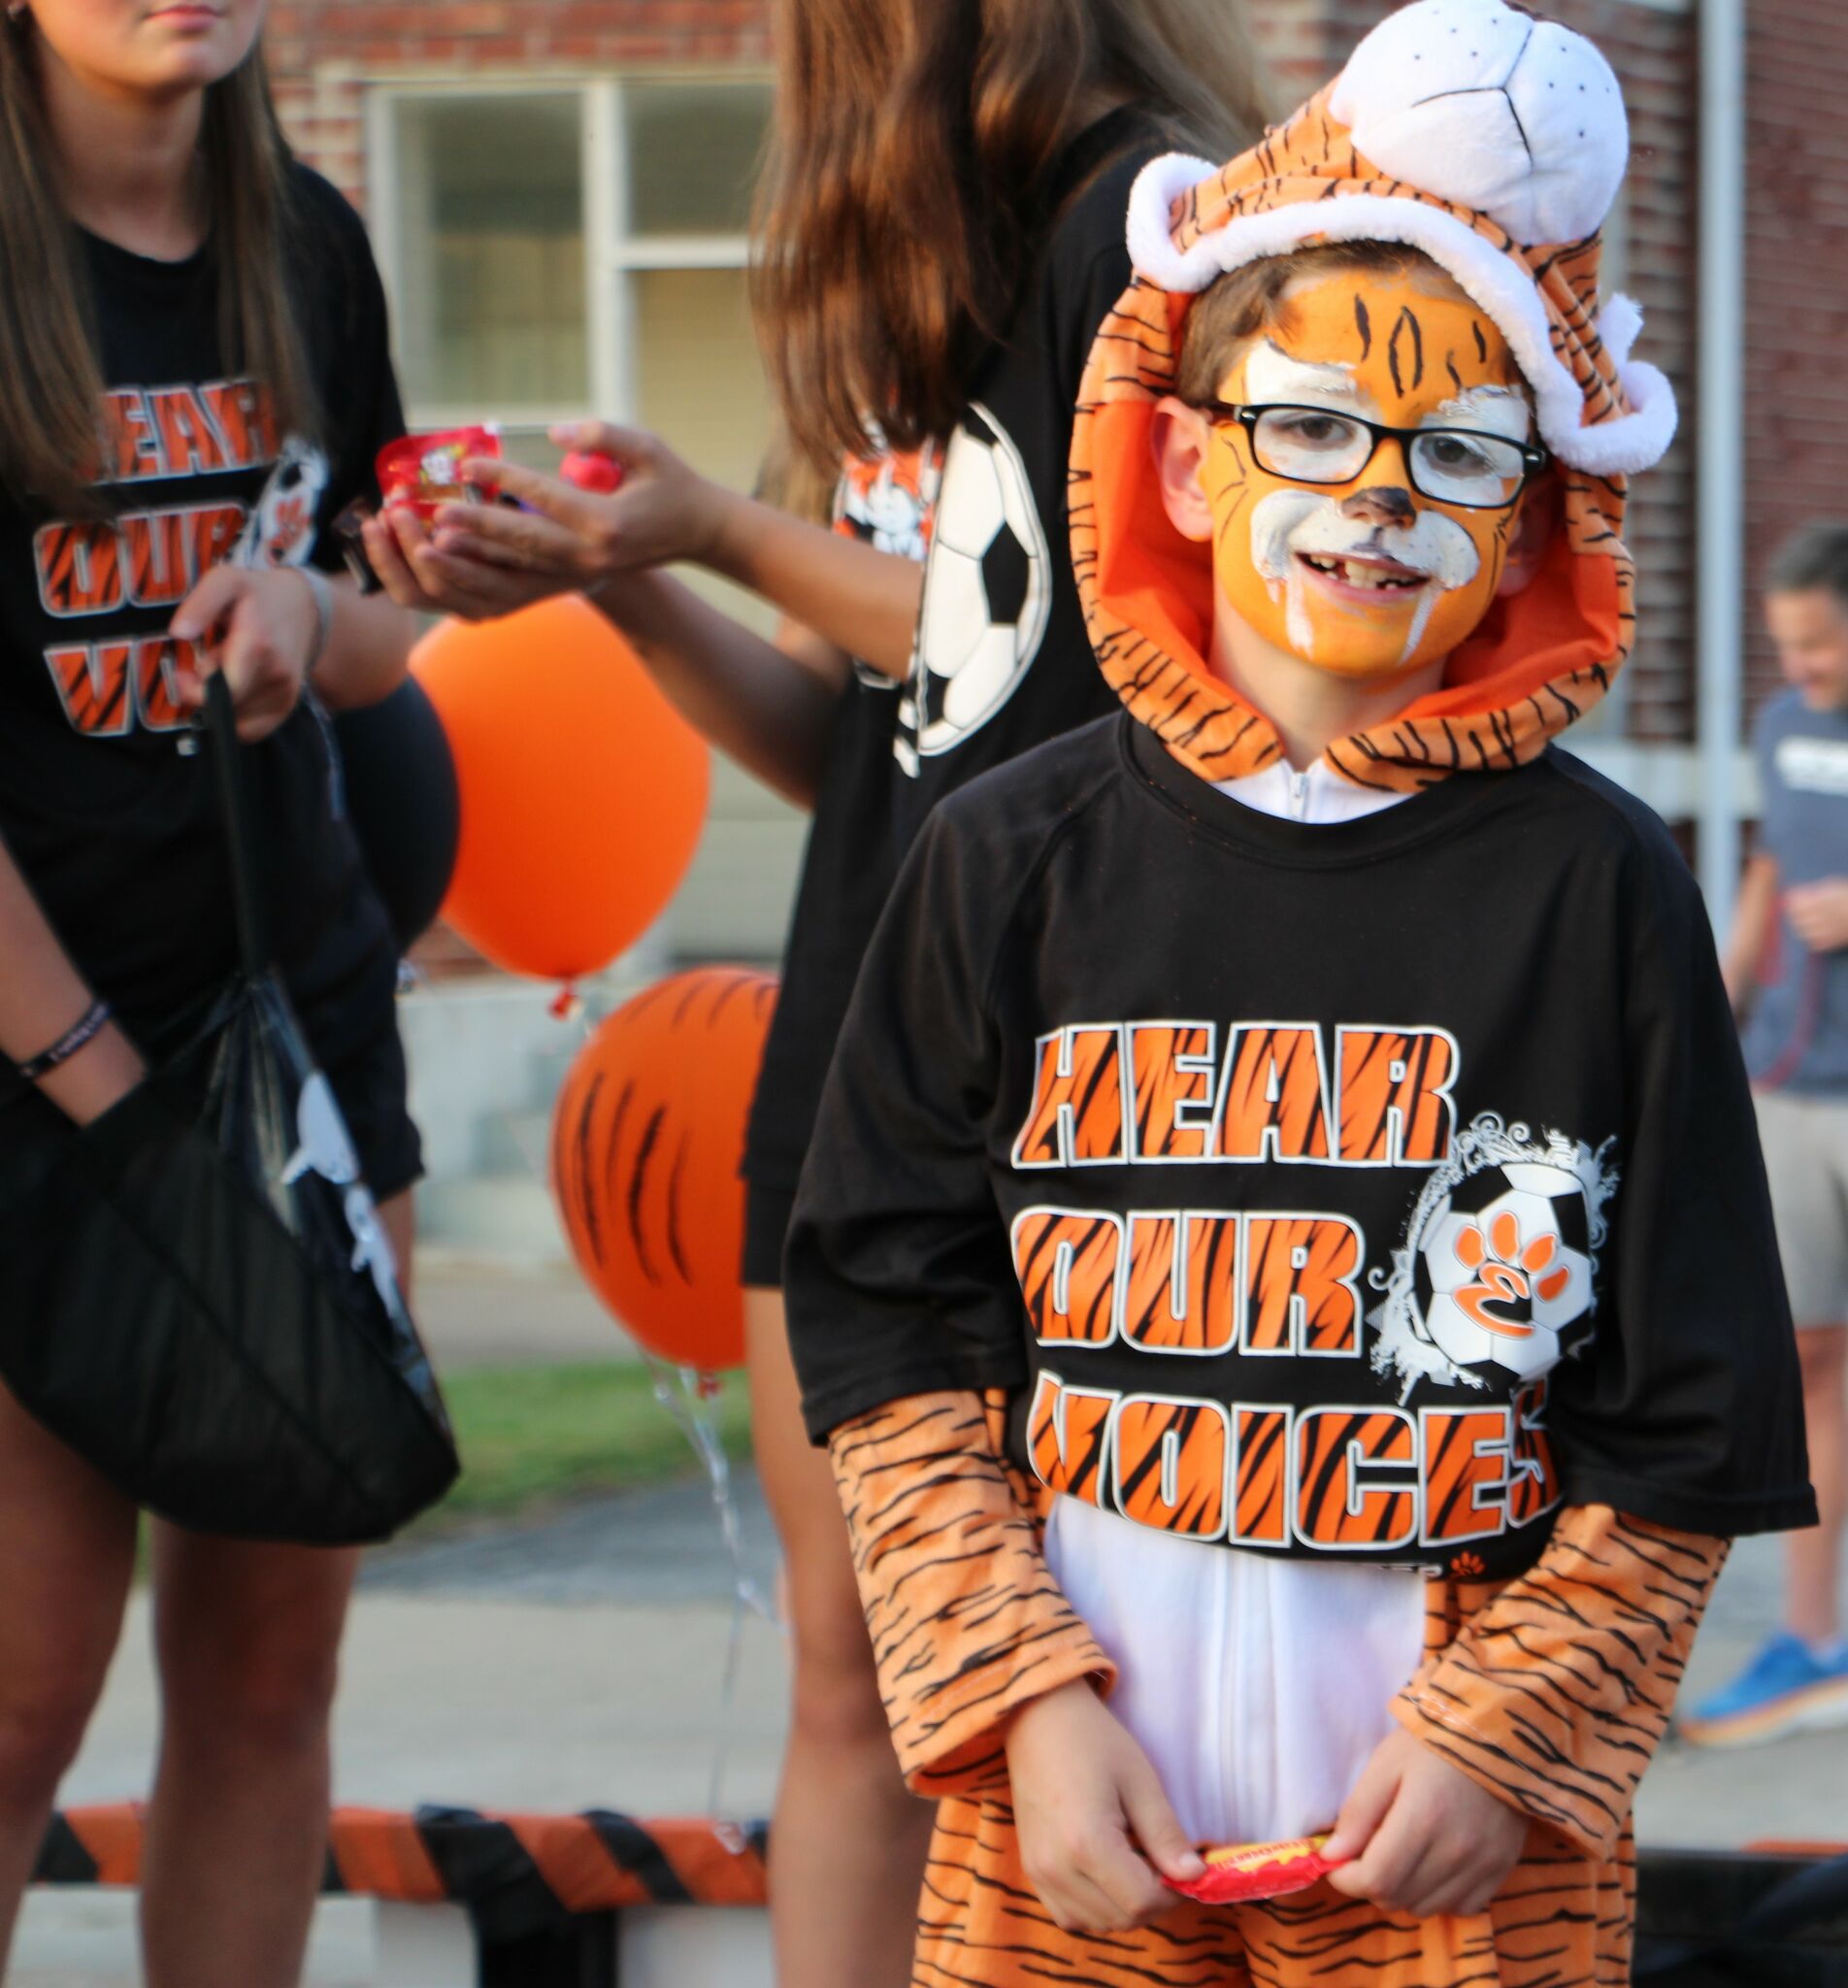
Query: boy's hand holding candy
[1418, 1835]
[1092, 1815]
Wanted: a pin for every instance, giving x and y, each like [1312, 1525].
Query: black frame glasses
[1533, 458]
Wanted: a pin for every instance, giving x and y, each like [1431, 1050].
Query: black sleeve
[1688, 1411]
[1091, 265]
[896, 1276]
[1084, 304]
[356, 386]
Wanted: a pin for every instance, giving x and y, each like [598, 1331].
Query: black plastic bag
[195, 1291]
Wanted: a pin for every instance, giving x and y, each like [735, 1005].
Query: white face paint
[1486, 410]
[1274, 524]
[1288, 523]
[1308, 567]
[1291, 521]
[1273, 379]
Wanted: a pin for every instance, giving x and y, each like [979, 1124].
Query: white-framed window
[559, 246]
[556, 247]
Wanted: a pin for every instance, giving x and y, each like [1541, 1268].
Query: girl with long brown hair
[194, 377]
[941, 230]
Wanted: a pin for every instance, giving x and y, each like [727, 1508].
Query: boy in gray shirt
[1787, 970]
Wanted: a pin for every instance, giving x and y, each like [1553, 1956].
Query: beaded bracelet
[93, 1023]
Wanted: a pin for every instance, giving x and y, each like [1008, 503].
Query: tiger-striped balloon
[646, 1140]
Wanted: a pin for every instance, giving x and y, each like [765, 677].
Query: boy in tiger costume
[1284, 1267]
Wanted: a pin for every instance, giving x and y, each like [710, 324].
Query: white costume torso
[1257, 1687]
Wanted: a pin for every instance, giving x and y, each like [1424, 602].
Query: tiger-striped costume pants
[1550, 1691]
[1560, 1921]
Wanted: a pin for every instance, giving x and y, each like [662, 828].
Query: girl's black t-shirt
[1001, 661]
[106, 802]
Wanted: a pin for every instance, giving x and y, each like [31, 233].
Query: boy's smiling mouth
[1363, 577]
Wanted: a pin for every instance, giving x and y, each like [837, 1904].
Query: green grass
[538, 1436]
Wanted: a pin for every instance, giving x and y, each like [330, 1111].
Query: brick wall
[1796, 292]
[322, 51]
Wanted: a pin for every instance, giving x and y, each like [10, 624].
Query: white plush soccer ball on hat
[1481, 104]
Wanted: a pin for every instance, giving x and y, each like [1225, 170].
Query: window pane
[491, 298]
[700, 384]
[693, 155]
[699, 380]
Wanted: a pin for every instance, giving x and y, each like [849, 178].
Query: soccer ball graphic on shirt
[280, 530]
[1499, 1272]
[1506, 1268]
[987, 593]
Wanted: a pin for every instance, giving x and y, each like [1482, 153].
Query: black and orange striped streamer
[516, 1872]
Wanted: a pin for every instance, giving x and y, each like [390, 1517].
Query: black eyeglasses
[1457, 466]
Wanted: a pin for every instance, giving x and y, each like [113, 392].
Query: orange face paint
[1370, 579]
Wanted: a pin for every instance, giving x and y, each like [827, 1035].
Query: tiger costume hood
[1493, 143]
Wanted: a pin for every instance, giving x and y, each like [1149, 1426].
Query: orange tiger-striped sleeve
[968, 1623]
[1558, 1687]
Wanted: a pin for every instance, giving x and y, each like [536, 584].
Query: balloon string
[691, 1399]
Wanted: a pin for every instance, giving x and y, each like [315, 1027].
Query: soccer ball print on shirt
[280, 530]
[987, 593]
[1499, 1265]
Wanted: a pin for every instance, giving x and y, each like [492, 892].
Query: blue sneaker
[1784, 1689]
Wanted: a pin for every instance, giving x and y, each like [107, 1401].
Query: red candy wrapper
[598, 475]
[424, 471]
[1242, 1872]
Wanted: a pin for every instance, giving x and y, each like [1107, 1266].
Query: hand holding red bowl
[622, 502]
[421, 473]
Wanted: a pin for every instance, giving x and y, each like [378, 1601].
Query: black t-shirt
[108, 810]
[1001, 662]
[1362, 1190]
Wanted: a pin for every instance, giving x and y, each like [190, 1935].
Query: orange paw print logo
[1507, 1272]
[290, 526]
[1467, 1566]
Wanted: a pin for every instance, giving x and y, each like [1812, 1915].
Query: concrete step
[507, 1218]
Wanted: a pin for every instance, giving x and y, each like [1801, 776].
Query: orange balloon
[583, 792]
[646, 1141]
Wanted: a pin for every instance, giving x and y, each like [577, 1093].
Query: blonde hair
[911, 180]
